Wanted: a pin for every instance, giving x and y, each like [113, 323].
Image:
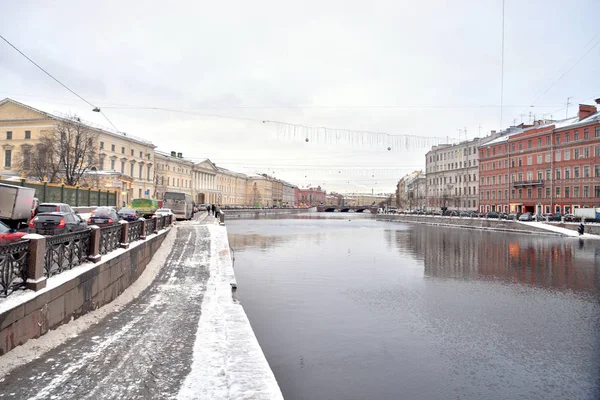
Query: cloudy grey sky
[401, 67]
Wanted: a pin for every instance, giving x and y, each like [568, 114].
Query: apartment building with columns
[130, 158]
[553, 166]
[204, 178]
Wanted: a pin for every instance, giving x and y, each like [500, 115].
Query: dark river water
[347, 307]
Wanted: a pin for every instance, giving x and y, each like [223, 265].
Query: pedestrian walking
[216, 211]
[208, 209]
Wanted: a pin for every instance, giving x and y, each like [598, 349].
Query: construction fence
[72, 195]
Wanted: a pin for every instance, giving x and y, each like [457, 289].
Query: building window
[597, 132]
[586, 133]
[529, 160]
[539, 159]
[540, 175]
[539, 193]
[7, 158]
[512, 193]
[27, 134]
[529, 175]
[596, 151]
[149, 172]
[520, 161]
[520, 193]
[567, 173]
[557, 139]
[586, 191]
[557, 192]
[557, 156]
[547, 192]
[122, 167]
[122, 150]
[26, 158]
[529, 144]
[597, 191]
[575, 191]
[576, 154]
[112, 147]
[586, 171]
[141, 154]
[567, 137]
[548, 157]
[112, 165]
[506, 194]
[132, 153]
[528, 193]
[520, 145]
[567, 192]
[520, 177]
[101, 145]
[557, 173]
[131, 170]
[586, 152]
[548, 174]
[576, 135]
[140, 170]
[567, 155]
[575, 172]
[101, 164]
[8, 135]
[539, 141]
[597, 171]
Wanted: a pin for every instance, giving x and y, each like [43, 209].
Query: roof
[90, 125]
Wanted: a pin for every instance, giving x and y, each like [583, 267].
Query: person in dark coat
[208, 209]
[216, 211]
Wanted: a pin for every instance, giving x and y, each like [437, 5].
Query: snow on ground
[228, 362]
[558, 229]
[35, 348]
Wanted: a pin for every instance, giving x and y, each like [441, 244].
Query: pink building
[310, 196]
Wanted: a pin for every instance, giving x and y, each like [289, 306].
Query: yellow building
[204, 183]
[22, 127]
[232, 187]
[365, 199]
[173, 174]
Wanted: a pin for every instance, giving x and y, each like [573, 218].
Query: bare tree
[42, 161]
[75, 143]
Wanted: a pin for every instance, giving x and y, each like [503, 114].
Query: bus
[180, 203]
[146, 207]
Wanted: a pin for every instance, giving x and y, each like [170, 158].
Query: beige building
[22, 126]
[289, 194]
[365, 199]
[204, 183]
[173, 174]
[231, 187]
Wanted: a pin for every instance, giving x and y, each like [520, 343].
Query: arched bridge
[372, 209]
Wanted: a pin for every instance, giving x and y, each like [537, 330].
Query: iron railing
[135, 231]
[160, 223]
[13, 267]
[150, 222]
[110, 237]
[66, 251]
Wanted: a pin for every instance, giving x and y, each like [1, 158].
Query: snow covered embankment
[228, 362]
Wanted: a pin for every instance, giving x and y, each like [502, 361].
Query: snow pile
[558, 229]
[228, 362]
[35, 348]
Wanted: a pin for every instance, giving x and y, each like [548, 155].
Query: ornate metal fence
[110, 237]
[150, 222]
[66, 251]
[135, 231]
[13, 267]
[160, 223]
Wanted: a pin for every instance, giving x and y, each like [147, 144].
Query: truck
[181, 204]
[590, 214]
[146, 207]
[16, 203]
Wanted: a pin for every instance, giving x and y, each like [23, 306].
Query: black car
[555, 217]
[129, 214]
[492, 214]
[103, 216]
[55, 223]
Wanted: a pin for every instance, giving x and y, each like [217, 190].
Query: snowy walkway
[558, 229]
[183, 337]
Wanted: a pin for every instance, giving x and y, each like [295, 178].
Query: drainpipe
[552, 139]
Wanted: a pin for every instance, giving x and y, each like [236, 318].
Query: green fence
[74, 196]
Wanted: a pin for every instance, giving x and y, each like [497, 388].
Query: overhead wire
[56, 80]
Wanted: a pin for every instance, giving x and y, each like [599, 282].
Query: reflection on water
[546, 262]
[346, 307]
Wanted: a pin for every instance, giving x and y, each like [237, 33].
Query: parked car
[129, 214]
[526, 217]
[571, 218]
[555, 217]
[502, 215]
[53, 207]
[513, 216]
[55, 223]
[491, 214]
[103, 216]
[8, 235]
[163, 211]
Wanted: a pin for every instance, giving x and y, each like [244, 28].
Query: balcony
[536, 182]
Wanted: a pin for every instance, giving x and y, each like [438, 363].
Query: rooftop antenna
[522, 115]
[568, 104]
[465, 133]
[479, 134]
[530, 114]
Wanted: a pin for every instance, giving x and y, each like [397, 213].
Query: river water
[346, 307]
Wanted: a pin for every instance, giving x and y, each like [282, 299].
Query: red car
[8, 235]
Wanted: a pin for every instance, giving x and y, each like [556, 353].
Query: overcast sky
[400, 67]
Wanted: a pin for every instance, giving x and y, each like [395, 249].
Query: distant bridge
[372, 209]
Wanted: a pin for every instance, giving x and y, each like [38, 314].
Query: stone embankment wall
[471, 223]
[54, 306]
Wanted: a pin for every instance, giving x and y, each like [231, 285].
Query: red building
[553, 166]
[311, 196]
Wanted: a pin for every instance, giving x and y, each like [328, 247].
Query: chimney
[173, 154]
[179, 155]
[585, 111]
